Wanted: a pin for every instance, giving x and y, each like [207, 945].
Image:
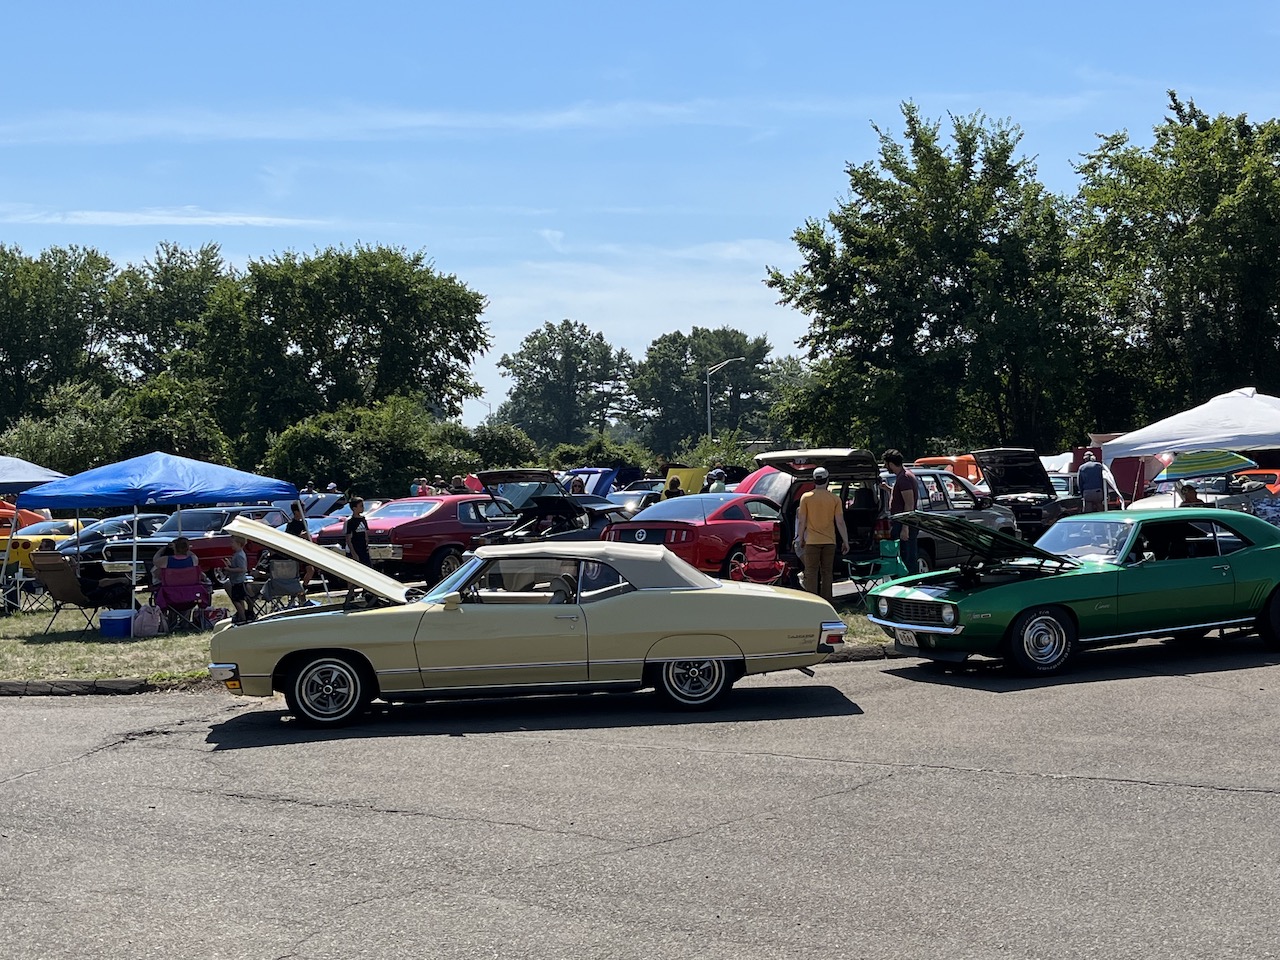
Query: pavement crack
[355, 807]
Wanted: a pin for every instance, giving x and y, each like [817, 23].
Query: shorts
[236, 591]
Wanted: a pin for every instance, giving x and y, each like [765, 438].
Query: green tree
[670, 386]
[51, 314]
[936, 294]
[499, 445]
[370, 323]
[566, 382]
[1178, 248]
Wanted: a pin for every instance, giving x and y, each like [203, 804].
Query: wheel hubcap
[695, 679]
[328, 689]
[1044, 639]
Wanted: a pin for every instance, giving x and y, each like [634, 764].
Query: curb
[73, 688]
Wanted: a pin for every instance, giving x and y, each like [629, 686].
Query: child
[237, 567]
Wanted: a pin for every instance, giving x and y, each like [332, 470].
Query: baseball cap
[1088, 454]
[820, 475]
[332, 486]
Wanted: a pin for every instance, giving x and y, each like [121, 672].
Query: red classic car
[708, 530]
[425, 537]
[202, 526]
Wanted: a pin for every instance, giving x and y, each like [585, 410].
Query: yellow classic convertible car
[544, 617]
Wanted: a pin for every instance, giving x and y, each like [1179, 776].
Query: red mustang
[422, 537]
[708, 530]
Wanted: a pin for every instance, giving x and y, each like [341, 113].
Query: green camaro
[1098, 578]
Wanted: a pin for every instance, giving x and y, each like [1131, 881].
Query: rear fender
[694, 645]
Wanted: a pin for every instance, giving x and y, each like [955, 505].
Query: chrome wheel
[450, 563]
[694, 683]
[326, 691]
[1042, 640]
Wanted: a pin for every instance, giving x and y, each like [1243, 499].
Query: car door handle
[1222, 566]
[566, 616]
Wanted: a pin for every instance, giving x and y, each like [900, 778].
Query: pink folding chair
[183, 595]
[760, 566]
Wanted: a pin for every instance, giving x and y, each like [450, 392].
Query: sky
[635, 169]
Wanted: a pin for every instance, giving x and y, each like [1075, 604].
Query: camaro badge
[640, 535]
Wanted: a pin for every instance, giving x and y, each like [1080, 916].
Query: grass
[64, 653]
[27, 653]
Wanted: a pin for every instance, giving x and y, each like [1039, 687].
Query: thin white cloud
[150, 217]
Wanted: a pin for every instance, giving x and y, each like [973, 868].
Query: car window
[962, 497]
[933, 492]
[1161, 540]
[404, 509]
[760, 510]
[775, 486]
[524, 580]
[734, 512]
[600, 582]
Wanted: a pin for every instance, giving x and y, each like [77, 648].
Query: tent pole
[133, 570]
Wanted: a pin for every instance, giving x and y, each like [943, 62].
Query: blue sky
[631, 168]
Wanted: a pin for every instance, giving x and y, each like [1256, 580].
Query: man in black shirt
[357, 531]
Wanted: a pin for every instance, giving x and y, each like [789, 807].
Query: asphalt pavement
[885, 809]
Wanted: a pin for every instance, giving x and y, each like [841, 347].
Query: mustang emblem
[640, 535]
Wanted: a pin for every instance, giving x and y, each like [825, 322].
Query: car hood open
[990, 546]
[1012, 470]
[322, 558]
[843, 463]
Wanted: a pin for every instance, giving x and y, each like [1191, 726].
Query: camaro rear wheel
[1042, 640]
[326, 691]
[693, 684]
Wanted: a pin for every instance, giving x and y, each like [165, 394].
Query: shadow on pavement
[600, 711]
[1146, 659]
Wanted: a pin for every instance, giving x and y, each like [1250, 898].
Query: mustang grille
[923, 612]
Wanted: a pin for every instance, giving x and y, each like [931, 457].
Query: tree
[1178, 248]
[670, 386]
[936, 294]
[51, 312]
[499, 445]
[566, 382]
[371, 323]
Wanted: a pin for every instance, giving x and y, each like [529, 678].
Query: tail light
[777, 535]
[677, 536]
[833, 633]
[24, 544]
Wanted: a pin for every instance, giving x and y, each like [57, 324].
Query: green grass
[861, 630]
[27, 653]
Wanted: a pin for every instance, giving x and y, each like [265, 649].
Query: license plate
[907, 638]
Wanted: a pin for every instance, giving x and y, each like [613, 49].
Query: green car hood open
[983, 543]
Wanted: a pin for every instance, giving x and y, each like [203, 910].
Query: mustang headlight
[948, 614]
[883, 606]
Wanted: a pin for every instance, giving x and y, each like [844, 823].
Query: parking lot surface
[1130, 808]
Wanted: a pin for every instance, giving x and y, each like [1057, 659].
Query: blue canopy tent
[159, 479]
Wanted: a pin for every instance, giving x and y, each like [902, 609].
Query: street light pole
[710, 371]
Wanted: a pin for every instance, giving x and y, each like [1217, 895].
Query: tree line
[953, 301]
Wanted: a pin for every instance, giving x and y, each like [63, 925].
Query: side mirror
[984, 502]
[452, 601]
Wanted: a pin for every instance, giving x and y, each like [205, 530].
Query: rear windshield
[683, 508]
[405, 509]
[197, 521]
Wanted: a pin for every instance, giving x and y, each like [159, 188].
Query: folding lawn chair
[60, 583]
[865, 574]
[760, 565]
[183, 596]
[284, 587]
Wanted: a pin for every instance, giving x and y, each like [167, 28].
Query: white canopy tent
[1240, 420]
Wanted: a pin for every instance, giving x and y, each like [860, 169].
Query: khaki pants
[818, 558]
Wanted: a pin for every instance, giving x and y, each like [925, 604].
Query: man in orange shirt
[818, 518]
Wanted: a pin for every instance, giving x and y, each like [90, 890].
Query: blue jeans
[906, 547]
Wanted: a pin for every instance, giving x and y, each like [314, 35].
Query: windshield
[453, 582]
[194, 520]
[404, 509]
[48, 528]
[518, 494]
[1087, 539]
[694, 508]
[1216, 485]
